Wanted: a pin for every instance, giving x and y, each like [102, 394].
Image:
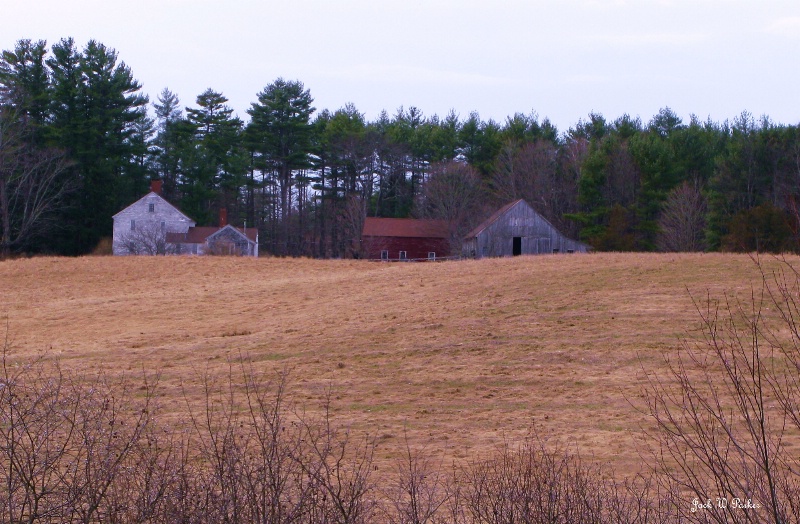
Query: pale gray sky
[562, 59]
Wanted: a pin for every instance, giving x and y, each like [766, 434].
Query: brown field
[458, 356]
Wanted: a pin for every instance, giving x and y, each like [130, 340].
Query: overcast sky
[561, 58]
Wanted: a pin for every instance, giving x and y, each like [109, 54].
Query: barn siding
[414, 247]
[537, 235]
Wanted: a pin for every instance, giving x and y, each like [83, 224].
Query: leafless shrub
[339, 469]
[65, 442]
[531, 484]
[727, 411]
[641, 500]
[80, 449]
[419, 492]
[266, 462]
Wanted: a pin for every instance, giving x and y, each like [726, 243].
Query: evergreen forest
[79, 141]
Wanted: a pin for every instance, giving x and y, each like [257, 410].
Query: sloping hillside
[456, 355]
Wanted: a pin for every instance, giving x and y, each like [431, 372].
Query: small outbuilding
[226, 240]
[517, 229]
[404, 239]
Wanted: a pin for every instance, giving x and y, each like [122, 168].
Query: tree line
[79, 142]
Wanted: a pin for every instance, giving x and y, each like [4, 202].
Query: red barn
[405, 239]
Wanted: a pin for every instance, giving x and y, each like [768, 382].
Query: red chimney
[155, 186]
[223, 217]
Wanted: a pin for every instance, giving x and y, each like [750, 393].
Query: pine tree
[96, 112]
[213, 159]
[280, 123]
[24, 84]
[166, 145]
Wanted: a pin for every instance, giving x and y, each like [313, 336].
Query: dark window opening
[403, 255]
[385, 254]
[151, 208]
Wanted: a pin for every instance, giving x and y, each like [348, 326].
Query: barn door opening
[517, 247]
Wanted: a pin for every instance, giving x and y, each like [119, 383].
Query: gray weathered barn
[517, 229]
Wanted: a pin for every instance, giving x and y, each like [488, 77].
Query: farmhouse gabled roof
[405, 227]
[492, 219]
[198, 235]
[162, 199]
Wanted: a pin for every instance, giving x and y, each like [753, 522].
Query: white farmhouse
[153, 226]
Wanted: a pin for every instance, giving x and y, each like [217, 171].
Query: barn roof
[198, 235]
[492, 219]
[405, 227]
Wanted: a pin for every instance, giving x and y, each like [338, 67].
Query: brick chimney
[155, 186]
[223, 217]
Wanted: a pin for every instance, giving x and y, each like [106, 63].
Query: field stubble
[457, 356]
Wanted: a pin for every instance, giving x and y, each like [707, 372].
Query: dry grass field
[458, 356]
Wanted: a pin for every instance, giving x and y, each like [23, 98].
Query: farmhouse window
[431, 255]
[385, 254]
[163, 226]
[151, 208]
[402, 255]
[133, 225]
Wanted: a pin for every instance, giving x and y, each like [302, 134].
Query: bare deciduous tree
[533, 172]
[149, 238]
[353, 216]
[32, 185]
[682, 220]
[452, 193]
